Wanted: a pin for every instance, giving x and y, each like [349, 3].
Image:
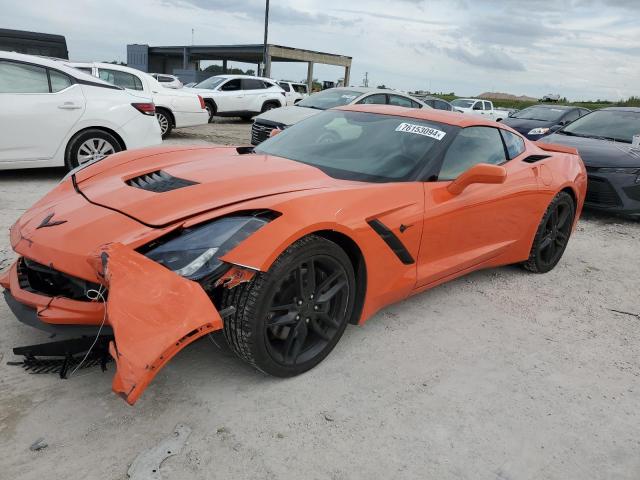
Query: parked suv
[239, 95]
[53, 115]
[174, 108]
[166, 80]
[294, 92]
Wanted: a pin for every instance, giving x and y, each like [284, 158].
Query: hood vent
[159, 182]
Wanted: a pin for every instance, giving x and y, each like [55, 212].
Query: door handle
[69, 106]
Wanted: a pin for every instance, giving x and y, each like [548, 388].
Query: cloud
[490, 58]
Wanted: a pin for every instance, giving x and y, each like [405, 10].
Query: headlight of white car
[538, 131]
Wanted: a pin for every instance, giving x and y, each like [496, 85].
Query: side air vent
[392, 241]
[535, 158]
[159, 182]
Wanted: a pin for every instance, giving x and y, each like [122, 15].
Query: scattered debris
[146, 466]
[328, 417]
[38, 445]
[637, 315]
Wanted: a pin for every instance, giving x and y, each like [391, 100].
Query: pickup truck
[477, 106]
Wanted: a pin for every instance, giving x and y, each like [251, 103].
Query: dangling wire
[93, 295]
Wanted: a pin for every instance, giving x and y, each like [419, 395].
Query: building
[184, 61]
[33, 43]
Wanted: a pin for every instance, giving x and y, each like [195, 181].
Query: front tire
[289, 318]
[89, 145]
[553, 234]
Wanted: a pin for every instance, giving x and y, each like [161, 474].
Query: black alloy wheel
[289, 318]
[553, 234]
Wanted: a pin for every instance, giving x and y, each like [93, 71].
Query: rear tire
[165, 120]
[269, 106]
[289, 318]
[89, 145]
[211, 109]
[553, 234]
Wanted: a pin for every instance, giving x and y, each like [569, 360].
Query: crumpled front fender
[154, 314]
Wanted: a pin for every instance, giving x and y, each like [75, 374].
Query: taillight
[202, 105]
[145, 108]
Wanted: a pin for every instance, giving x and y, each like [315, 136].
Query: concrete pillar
[185, 58]
[347, 72]
[224, 66]
[310, 76]
[267, 66]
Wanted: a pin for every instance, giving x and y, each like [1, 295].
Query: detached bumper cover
[154, 314]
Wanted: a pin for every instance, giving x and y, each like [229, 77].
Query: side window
[571, 116]
[22, 78]
[163, 79]
[415, 104]
[400, 101]
[285, 86]
[376, 98]
[513, 142]
[440, 105]
[478, 106]
[300, 88]
[583, 112]
[59, 81]
[120, 79]
[487, 105]
[471, 146]
[231, 85]
[88, 70]
[252, 84]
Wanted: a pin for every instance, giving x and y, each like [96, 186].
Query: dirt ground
[499, 375]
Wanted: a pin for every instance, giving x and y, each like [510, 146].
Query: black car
[538, 121]
[605, 140]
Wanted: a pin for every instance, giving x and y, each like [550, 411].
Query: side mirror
[480, 173]
[510, 114]
[557, 127]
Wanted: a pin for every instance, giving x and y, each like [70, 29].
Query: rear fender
[154, 314]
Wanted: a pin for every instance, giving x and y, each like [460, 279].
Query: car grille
[261, 130]
[37, 278]
[601, 193]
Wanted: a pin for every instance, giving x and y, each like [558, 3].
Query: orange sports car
[282, 245]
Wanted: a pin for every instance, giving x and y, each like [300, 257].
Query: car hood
[288, 115]
[599, 153]
[524, 125]
[190, 181]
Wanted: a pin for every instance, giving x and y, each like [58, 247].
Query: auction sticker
[421, 130]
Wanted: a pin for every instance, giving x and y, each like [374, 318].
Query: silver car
[281, 118]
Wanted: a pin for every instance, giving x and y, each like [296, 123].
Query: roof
[432, 114]
[623, 109]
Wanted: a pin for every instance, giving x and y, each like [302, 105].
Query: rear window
[22, 78]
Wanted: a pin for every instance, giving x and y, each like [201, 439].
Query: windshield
[618, 125]
[360, 146]
[210, 83]
[540, 113]
[462, 103]
[330, 98]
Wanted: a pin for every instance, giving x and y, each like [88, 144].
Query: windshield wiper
[309, 106]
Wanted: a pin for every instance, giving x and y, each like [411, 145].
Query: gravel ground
[498, 375]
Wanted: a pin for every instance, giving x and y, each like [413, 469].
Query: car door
[230, 96]
[289, 94]
[38, 108]
[255, 94]
[485, 221]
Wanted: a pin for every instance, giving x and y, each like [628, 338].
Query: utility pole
[366, 79]
[192, 33]
[266, 34]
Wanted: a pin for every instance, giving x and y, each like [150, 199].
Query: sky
[581, 49]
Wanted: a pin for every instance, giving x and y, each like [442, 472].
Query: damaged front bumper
[153, 314]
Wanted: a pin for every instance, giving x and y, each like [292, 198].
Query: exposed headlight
[538, 131]
[627, 170]
[195, 253]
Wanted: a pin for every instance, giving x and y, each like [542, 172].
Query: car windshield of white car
[462, 103]
[210, 83]
[618, 125]
[361, 146]
[329, 98]
[544, 114]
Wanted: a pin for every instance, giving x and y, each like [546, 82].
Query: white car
[239, 95]
[53, 115]
[166, 80]
[478, 106]
[330, 98]
[174, 108]
[294, 91]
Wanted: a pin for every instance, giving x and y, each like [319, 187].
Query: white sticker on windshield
[348, 97]
[420, 130]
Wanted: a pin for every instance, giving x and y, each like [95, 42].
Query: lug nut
[315, 307]
[297, 317]
[311, 296]
[307, 320]
[299, 302]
